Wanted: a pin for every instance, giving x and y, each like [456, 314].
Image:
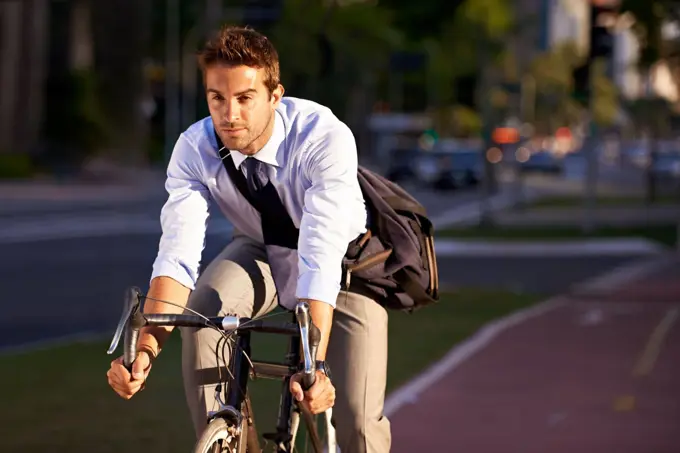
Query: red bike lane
[592, 375]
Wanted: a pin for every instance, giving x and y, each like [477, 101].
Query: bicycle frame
[237, 392]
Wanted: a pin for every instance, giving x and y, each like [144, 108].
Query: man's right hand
[124, 383]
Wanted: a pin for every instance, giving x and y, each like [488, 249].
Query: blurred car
[667, 165]
[457, 170]
[542, 161]
[441, 170]
[402, 165]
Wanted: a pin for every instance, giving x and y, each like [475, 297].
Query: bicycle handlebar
[132, 320]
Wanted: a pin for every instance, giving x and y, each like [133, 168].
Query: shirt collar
[270, 152]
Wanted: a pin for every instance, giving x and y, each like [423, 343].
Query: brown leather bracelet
[149, 351]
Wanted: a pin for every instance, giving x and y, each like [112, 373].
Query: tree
[121, 40]
[650, 18]
[335, 54]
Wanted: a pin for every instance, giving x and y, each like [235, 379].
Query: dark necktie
[278, 229]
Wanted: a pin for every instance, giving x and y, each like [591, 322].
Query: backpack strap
[409, 283]
[399, 204]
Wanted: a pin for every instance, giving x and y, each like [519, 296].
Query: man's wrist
[320, 365]
[151, 341]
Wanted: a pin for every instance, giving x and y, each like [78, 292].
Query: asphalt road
[57, 288]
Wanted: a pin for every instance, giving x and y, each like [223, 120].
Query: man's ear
[277, 94]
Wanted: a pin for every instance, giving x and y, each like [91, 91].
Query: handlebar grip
[130, 347]
[308, 380]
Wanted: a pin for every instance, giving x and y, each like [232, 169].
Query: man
[310, 157]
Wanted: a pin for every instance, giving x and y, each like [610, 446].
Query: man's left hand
[319, 397]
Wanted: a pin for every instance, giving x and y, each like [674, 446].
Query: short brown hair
[235, 46]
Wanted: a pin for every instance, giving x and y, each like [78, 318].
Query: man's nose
[232, 113]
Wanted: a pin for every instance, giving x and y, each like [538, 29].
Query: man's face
[241, 106]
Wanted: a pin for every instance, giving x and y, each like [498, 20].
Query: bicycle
[231, 428]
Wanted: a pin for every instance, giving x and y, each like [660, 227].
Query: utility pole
[482, 96]
[526, 114]
[602, 18]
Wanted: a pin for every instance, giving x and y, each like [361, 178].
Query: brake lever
[131, 303]
[310, 335]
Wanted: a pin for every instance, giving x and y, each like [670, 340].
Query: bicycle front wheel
[221, 436]
[315, 437]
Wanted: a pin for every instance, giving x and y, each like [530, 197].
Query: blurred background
[542, 136]
[446, 96]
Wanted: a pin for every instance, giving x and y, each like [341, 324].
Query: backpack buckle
[345, 278]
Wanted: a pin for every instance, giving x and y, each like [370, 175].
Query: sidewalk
[587, 375]
[51, 195]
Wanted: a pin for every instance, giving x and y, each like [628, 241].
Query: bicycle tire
[218, 429]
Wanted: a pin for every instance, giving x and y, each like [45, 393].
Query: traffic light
[602, 18]
[601, 45]
[581, 90]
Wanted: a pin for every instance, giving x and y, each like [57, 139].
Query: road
[65, 265]
[63, 287]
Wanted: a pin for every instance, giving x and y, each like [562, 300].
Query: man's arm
[183, 220]
[152, 338]
[331, 219]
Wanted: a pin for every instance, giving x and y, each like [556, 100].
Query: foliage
[326, 51]
[654, 115]
[649, 17]
[74, 125]
[15, 166]
[457, 121]
[605, 105]
[651, 115]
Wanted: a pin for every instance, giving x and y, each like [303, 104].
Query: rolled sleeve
[334, 214]
[184, 218]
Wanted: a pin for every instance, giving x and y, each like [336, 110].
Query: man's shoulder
[200, 132]
[309, 119]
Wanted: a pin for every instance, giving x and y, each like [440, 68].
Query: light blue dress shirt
[312, 159]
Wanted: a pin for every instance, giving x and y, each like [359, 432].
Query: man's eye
[217, 97]
[245, 98]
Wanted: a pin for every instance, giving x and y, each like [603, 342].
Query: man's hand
[151, 339]
[320, 396]
[122, 382]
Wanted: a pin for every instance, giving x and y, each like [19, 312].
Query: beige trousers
[239, 281]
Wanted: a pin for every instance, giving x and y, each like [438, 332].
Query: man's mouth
[233, 130]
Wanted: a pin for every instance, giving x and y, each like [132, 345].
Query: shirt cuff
[319, 286]
[169, 267]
